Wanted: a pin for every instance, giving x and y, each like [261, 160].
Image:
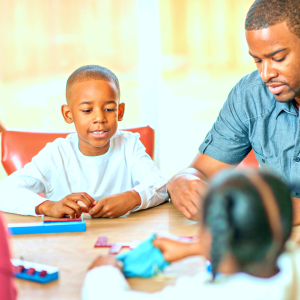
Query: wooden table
[72, 253]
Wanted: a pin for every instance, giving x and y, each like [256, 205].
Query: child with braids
[247, 219]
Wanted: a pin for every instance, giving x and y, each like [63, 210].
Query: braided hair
[235, 214]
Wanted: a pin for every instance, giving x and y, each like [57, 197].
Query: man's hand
[116, 205]
[104, 260]
[188, 188]
[175, 250]
[186, 192]
[66, 206]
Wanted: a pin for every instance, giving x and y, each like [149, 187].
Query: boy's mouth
[99, 133]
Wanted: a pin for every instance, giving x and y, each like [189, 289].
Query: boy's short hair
[267, 13]
[92, 72]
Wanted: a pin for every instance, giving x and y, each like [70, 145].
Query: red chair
[18, 147]
[249, 161]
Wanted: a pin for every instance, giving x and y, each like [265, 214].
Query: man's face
[276, 52]
[94, 108]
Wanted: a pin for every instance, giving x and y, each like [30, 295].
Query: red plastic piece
[115, 248]
[19, 269]
[31, 271]
[101, 242]
[62, 220]
[19, 147]
[43, 273]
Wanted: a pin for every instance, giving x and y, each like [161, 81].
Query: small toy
[115, 248]
[49, 226]
[144, 261]
[34, 272]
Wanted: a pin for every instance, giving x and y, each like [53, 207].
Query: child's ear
[121, 111]
[67, 114]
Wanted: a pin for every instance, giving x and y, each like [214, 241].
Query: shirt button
[206, 141]
[297, 159]
[263, 160]
[297, 194]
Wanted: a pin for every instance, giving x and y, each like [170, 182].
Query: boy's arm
[149, 187]
[147, 179]
[19, 191]
[19, 194]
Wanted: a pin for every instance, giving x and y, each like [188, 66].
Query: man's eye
[279, 60]
[257, 61]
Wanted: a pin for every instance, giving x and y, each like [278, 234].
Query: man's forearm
[296, 211]
[193, 171]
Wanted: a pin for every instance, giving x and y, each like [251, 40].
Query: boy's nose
[99, 120]
[99, 117]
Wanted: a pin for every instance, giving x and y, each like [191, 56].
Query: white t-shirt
[107, 282]
[61, 169]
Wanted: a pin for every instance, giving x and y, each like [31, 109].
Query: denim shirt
[251, 118]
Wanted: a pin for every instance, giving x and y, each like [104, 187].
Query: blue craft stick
[36, 277]
[40, 227]
[52, 272]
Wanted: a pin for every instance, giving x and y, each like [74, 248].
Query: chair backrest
[249, 161]
[19, 147]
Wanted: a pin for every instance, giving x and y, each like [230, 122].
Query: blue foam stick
[51, 227]
[52, 272]
[144, 261]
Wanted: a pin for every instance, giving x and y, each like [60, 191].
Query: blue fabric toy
[144, 261]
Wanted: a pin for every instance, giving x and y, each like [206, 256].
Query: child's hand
[66, 206]
[116, 205]
[175, 250]
[105, 260]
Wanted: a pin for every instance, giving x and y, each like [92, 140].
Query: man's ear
[121, 111]
[67, 114]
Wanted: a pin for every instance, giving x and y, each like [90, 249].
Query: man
[261, 112]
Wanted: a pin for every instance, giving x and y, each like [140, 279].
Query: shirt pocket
[272, 164]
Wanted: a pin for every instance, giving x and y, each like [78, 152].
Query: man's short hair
[92, 72]
[267, 13]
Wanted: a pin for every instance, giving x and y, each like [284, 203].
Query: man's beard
[295, 92]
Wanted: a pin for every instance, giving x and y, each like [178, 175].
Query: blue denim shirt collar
[287, 107]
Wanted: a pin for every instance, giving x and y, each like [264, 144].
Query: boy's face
[94, 108]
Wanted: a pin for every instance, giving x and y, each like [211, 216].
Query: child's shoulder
[61, 144]
[125, 136]
[128, 141]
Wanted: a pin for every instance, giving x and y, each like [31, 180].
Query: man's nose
[268, 72]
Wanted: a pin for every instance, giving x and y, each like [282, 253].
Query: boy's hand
[105, 260]
[173, 250]
[66, 206]
[116, 205]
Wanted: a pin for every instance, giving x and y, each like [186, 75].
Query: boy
[106, 169]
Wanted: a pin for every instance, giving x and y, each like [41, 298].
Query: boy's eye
[257, 61]
[86, 110]
[279, 60]
[110, 109]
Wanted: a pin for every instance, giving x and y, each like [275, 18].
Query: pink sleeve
[7, 286]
